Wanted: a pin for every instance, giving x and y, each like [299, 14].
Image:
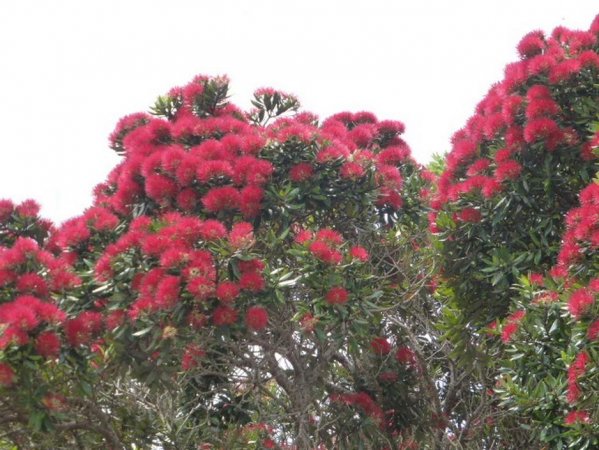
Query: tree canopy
[263, 279]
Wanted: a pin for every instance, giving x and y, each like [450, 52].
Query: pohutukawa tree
[516, 245]
[227, 264]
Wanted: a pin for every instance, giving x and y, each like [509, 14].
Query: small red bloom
[7, 375]
[227, 291]
[48, 344]
[268, 443]
[351, 171]
[252, 281]
[256, 318]
[380, 346]
[212, 230]
[242, 235]
[405, 355]
[308, 322]
[201, 287]
[192, 356]
[55, 402]
[593, 330]
[580, 301]
[509, 329]
[337, 296]
[359, 253]
[536, 279]
[531, 44]
[221, 199]
[574, 417]
[224, 315]
[303, 236]
[470, 215]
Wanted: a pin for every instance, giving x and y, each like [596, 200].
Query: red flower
[28, 208]
[221, 199]
[256, 318]
[507, 170]
[303, 236]
[48, 344]
[212, 230]
[351, 171]
[380, 346]
[55, 402]
[470, 215]
[227, 291]
[251, 200]
[337, 296]
[252, 281]
[329, 236]
[512, 325]
[81, 329]
[7, 375]
[242, 235]
[405, 355]
[308, 322]
[224, 315]
[531, 44]
[324, 253]
[301, 172]
[536, 279]
[580, 301]
[574, 417]
[359, 253]
[192, 356]
[201, 287]
[268, 443]
[6, 209]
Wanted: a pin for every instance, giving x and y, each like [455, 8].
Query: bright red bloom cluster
[406, 356]
[520, 117]
[184, 270]
[511, 325]
[337, 295]
[580, 301]
[363, 401]
[28, 276]
[380, 346]
[7, 375]
[575, 371]
[582, 228]
[574, 417]
[256, 318]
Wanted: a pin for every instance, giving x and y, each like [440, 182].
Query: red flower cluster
[582, 228]
[363, 401]
[511, 325]
[29, 275]
[518, 116]
[192, 356]
[7, 375]
[256, 318]
[337, 296]
[574, 417]
[575, 371]
[380, 346]
[405, 355]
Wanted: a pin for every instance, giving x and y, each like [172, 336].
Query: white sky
[70, 69]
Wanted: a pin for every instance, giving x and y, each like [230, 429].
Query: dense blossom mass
[215, 222]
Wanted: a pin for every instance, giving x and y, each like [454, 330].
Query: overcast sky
[70, 69]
